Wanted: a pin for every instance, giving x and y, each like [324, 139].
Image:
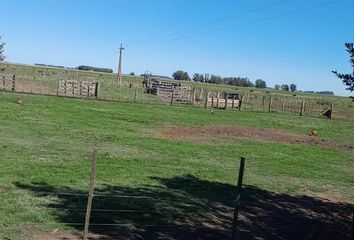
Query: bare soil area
[208, 134]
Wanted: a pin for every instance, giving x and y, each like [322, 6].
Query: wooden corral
[228, 100]
[176, 94]
[169, 92]
[153, 84]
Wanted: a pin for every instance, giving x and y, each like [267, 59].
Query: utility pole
[120, 65]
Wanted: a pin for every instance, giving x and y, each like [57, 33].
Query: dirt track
[207, 134]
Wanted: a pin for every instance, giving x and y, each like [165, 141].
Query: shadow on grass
[190, 208]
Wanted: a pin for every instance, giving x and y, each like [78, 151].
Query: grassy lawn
[46, 145]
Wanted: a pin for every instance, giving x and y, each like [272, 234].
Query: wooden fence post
[136, 89]
[201, 94]
[330, 117]
[238, 196]
[233, 102]
[283, 105]
[173, 95]
[13, 82]
[206, 99]
[226, 100]
[270, 105]
[90, 195]
[193, 95]
[97, 90]
[302, 111]
[241, 103]
[217, 100]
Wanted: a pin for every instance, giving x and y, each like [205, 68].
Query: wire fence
[133, 89]
[189, 206]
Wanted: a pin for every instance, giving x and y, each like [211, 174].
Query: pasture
[170, 172]
[45, 81]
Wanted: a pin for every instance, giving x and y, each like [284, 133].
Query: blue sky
[300, 48]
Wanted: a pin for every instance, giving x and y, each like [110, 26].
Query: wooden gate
[76, 88]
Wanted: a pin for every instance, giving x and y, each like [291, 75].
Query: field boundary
[110, 90]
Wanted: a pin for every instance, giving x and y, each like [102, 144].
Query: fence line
[149, 211]
[101, 89]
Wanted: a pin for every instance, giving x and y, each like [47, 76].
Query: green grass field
[46, 146]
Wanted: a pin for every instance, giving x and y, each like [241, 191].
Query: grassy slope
[50, 139]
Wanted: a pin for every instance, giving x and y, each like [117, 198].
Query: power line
[113, 56]
[245, 24]
[211, 23]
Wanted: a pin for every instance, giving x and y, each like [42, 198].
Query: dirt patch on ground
[208, 134]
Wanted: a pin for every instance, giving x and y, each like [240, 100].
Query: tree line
[216, 79]
[234, 81]
[286, 87]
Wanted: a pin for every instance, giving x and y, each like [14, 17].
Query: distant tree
[259, 83]
[132, 73]
[2, 45]
[197, 77]
[326, 92]
[238, 81]
[285, 87]
[348, 79]
[216, 79]
[181, 75]
[277, 87]
[293, 87]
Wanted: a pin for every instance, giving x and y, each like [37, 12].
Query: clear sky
[290, 41]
